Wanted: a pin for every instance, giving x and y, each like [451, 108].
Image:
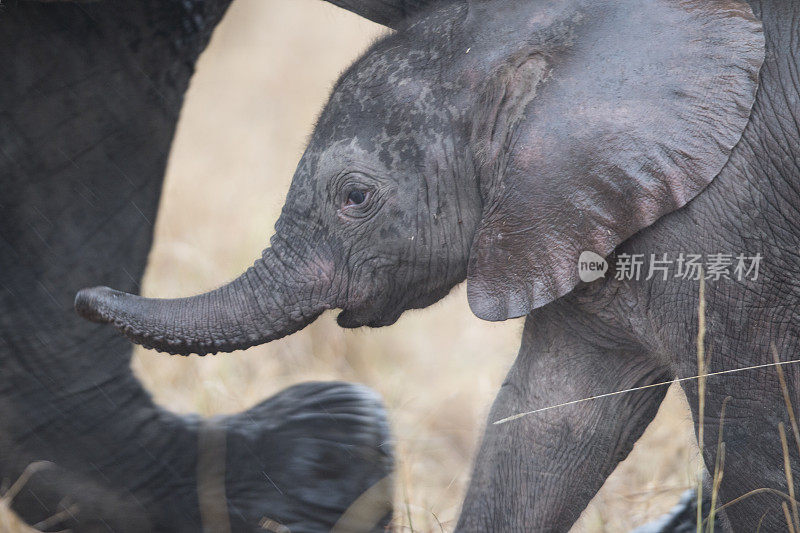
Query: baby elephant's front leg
[538, 472]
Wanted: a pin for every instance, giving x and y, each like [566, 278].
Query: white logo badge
[591, 266]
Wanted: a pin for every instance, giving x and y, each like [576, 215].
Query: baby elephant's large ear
[624, 112]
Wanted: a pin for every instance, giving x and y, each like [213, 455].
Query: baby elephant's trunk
[257, 307]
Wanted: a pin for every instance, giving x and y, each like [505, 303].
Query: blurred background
[251, 106]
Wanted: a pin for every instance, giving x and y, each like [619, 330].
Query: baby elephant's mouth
[372, 317]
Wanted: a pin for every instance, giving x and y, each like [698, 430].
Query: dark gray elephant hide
[89, 98]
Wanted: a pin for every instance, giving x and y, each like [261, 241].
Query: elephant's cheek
[323, 270]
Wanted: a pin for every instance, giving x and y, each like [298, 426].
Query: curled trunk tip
[93, 303]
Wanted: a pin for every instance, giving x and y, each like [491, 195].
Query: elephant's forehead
[382, 155]
[371, 135]
[393, 88]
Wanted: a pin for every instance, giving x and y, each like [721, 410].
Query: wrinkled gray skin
[89, 99]
[452, 151]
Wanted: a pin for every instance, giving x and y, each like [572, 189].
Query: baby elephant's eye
[356, 197]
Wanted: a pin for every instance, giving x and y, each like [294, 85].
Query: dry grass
[250, 108]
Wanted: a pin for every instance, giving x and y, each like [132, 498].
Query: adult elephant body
[495, 141]
[88, 105]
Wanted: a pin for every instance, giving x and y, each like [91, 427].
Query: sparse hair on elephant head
[488, 140]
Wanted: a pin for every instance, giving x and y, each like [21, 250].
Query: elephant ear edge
[627, 118]
[390, 13]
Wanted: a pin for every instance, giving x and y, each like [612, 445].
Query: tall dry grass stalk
[701, 390]
[719, 468]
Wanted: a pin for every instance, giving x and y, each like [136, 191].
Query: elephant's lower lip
[353, 319]
[347, 320]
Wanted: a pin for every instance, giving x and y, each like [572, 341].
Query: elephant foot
[315, 457]
[683, 517]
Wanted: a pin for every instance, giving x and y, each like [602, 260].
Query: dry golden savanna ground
[248, 113]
